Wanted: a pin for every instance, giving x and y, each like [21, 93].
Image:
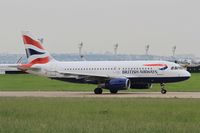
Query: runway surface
[104, 95]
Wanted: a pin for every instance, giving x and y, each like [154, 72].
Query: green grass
[31, 82]
[89, 115]
[28, 82]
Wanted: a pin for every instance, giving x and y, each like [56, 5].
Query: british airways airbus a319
[111, 75]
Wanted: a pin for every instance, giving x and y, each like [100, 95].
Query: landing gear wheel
[163, 91]
[98, 91]
[113, 91]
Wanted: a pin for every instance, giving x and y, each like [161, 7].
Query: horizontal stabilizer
[23, 67]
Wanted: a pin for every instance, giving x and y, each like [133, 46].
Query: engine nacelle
[141, 85]
[118, 84]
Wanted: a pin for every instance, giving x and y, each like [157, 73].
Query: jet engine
[117, 84]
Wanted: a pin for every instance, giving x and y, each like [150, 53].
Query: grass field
[28, 82]
[88, 115]
[32, 83]
[95, 115]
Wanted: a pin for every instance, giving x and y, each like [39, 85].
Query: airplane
[111, 75]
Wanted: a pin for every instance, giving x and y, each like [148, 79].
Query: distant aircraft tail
[35, 52]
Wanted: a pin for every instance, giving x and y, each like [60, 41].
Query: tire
[113, 91]
[98, 91]
[163, 91]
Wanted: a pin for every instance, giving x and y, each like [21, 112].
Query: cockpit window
[177, 68]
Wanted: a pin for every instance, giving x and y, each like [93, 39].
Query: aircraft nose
[187, 74]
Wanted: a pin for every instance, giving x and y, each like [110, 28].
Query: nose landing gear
[163, 90]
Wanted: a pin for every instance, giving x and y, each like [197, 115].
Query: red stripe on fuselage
[155, 65]
[29, 41]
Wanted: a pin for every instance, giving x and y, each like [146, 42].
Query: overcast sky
[102, 23]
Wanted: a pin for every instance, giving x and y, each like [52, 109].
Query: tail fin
[35, 52]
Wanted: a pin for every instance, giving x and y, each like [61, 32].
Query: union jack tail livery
[35, 52]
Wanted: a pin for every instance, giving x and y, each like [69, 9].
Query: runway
[104, 95]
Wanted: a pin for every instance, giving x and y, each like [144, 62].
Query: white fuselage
[112, 69]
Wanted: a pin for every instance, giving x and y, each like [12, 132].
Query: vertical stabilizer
[35, 52]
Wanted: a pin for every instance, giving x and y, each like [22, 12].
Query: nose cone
[187, 75]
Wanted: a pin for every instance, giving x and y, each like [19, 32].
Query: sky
[99, 24]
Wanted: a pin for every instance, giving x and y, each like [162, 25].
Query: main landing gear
[113, 91]
[98, 90]
[163, 91]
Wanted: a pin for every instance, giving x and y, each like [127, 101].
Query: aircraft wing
[91, 76]
[86, 76]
